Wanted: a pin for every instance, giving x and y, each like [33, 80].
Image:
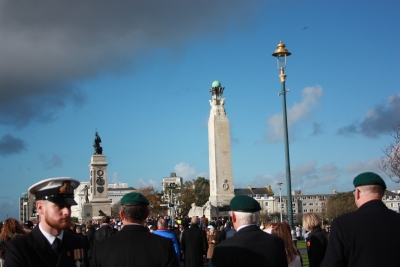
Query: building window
[311, 204]
[304, 210]
[304, 204]
[266, 203]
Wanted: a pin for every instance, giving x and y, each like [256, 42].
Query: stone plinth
[91, 211]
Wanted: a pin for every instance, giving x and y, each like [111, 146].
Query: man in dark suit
[250, 246]
[194, 245]
[134, 245]
[48, 244]
[368, 236]
[105, 231]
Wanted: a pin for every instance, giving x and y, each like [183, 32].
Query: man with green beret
[134, 245]
[369, 236]
[250, 246]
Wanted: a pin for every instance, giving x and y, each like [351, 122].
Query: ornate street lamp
[281, 53]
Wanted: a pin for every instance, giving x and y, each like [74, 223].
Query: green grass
[305, 260]
[300, 246]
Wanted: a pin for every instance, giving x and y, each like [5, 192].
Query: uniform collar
[50, 237]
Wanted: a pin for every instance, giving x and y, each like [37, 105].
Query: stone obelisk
[99, 203]
[221, 181]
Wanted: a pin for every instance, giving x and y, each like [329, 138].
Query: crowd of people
[137, 239]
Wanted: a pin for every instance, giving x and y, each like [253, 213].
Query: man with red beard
[48, 244]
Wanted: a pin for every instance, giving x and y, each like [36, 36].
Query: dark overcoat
[316, 246]
[33, 249]
[194, 245]
[369, 236]
[134, 245]
[250, 246]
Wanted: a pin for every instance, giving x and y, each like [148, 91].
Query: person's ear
[233, 216]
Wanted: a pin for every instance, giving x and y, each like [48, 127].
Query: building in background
[170, 194]
[115, 192]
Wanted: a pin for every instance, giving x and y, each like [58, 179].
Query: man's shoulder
[164, 233]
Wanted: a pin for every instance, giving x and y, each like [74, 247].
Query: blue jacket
[171, 235]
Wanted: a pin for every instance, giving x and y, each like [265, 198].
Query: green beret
[244, 203]
[83, 225]
[134, 198]
[369, 178]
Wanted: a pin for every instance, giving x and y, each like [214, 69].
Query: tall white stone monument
[98, 203]
[219, 147]
[219, 144]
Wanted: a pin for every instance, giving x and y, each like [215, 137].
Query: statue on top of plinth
[96, 144]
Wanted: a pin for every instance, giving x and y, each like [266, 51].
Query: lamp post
[251, 190]
[280, 199]
[281, 53]
[171, 203]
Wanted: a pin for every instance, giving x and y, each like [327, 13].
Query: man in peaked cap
[134, 245]
[48, 244]
[250, 246]
[357, 237]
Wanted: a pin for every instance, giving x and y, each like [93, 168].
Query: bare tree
[390, 163]
[115, 210]
[339, 204]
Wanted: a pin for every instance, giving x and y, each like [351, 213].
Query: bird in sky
[305, 28]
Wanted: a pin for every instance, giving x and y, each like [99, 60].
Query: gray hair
[247, 217]
[162, 223]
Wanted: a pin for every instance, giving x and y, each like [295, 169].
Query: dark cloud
[318, 128]
[11, 145]
[380, 120]
[50, 163]
[46, 46]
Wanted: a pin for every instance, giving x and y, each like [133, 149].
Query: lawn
[301, 245]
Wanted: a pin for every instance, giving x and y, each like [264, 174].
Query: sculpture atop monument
[96, 144]
[86, 193]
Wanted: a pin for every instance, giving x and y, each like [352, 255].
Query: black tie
[57, 245]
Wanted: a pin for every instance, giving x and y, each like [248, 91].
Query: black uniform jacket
[134, 245]
[194, 245]
[369, 236]
[250, 247]
[33, 249]
[316, 246]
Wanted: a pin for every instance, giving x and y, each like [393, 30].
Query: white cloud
[297, 113]
[143, 183]
[188, 172]
[306, 177]
[379, 120]
[358, 167]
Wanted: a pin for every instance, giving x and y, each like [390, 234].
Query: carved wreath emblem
[66, 188]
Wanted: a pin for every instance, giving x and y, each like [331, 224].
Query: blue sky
[140, 72]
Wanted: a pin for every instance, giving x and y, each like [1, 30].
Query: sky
[139, 72]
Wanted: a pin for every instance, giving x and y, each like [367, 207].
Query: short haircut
[78, 229]
[194, 220]
[106, 219]
[372, 189]
[247, 217]
[311, 221]
[134, 213]
[162, 223]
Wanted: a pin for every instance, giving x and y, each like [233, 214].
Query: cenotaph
[99, 204]
[220, 160]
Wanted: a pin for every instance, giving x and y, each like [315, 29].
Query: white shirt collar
[243, 226]
[50, 237]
